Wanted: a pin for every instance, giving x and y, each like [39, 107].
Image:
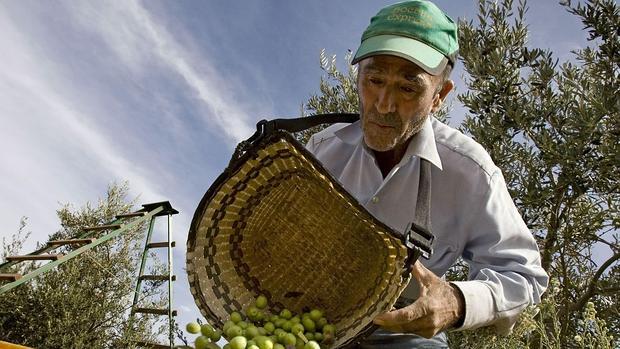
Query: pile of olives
[258, 328]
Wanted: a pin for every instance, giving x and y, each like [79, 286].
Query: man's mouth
[381, 125]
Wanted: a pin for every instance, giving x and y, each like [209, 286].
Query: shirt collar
[422, 144]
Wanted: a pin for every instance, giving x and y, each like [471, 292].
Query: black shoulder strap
[418, 235]
[304, 123]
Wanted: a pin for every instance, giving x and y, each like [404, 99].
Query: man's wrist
[460, 309]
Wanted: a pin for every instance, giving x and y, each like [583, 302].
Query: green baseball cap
[415, 30]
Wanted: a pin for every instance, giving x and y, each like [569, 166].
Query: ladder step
[71, 242]
[10, 277]
[151, 345]
[132, 214]
[37, 257]
[103, 227]
[160, 244]
[154, 311]
[157, 277]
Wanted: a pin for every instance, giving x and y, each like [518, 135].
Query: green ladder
[169, 277]
[121, 224]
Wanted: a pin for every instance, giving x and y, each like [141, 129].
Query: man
[405, 58]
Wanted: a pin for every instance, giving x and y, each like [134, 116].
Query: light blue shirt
[472, 214]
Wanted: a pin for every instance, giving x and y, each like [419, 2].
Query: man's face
[396, 97]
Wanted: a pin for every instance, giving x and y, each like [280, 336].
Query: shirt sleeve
[505, 273]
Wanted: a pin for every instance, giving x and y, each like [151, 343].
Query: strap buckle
[419, 240]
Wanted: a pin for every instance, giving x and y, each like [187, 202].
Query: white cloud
[50, 150]
[130, 31]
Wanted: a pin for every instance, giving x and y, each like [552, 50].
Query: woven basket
[276, 223]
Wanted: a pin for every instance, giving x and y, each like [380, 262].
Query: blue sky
[159, 92]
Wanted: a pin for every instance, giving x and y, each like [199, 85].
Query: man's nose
[385, 101]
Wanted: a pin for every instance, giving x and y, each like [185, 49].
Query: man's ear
[440, 96]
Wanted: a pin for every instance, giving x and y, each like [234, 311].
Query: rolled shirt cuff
[479, 304]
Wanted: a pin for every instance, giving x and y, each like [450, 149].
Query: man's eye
[375, 81]
[407, 89]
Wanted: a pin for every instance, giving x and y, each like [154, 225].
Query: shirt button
[374, 199]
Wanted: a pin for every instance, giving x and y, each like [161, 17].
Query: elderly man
[405, 58]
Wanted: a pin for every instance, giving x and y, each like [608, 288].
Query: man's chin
[377, 146]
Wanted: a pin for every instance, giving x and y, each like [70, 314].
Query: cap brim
[428, 58]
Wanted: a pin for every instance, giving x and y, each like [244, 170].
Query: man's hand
[439, 306]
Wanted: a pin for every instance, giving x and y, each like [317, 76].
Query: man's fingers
[429, 314]
[422, 274]
[400, 316]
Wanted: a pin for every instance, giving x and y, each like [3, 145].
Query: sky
[158, 93]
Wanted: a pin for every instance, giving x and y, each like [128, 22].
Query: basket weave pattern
[278, 225]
